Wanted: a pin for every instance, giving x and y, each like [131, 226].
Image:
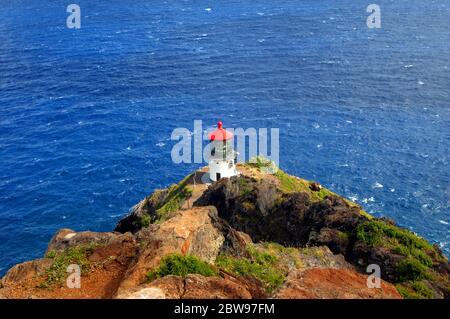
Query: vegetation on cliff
[181, 265]
[176, 196]
[56, 274]
[157, 207]
[260, 265]
[293, 212]
[254, 235]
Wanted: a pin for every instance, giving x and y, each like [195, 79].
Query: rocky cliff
[255, 235]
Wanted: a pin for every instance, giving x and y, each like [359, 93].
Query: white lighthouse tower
[222, 162]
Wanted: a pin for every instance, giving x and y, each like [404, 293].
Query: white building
[223, 158]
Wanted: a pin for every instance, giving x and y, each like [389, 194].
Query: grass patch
[245, 187]
[178, 194]
[56, 274]
[144, 221]
[261, 265]
[416, 265]
[343, 236]
[263, 164]
[411, 269]
[415, 290]
[179, 265]
[379, 233]
[291, 184]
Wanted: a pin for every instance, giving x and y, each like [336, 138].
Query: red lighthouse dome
[220, 134]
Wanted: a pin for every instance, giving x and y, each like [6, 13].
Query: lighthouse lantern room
[222, 162]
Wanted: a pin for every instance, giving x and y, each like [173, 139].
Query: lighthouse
[222, 162]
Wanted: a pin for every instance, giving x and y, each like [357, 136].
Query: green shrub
[415, 290]
[144, 221]
[261, 257]
[261, 266]
[245, 187]
[417, 264]
[343, 236]
[178, 194]
[371, 233]
[422, 257]
[407, 293]
[411, 269]
[51, 254]
[400, 250]
[289, 184]
[263, 164]
[179, 265]
[421, 289]
[57, 272]
[400, 241]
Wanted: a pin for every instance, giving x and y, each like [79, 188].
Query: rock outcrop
[194, 287]
[66, 238]
[255, 235]
[328, 283]
[25, 271]
[189, 232]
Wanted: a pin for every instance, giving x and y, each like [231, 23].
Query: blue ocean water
[86, 115]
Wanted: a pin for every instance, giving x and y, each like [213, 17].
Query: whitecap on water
[161, 144]
[443, 222]
[208, 9]
[377, 185]
[420, 83]
[367, 200]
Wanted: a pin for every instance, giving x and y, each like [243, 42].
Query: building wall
[222, 167]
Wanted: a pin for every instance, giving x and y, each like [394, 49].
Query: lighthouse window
[224, 150]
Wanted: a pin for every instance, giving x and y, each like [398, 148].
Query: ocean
[86, 114]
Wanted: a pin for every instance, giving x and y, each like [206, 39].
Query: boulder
[192, 287]
[315, 187]
[66, 238]
[199, 287]
[187, 232]
[143, 292]
[25, 271]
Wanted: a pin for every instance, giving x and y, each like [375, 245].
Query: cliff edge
[255, 235]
